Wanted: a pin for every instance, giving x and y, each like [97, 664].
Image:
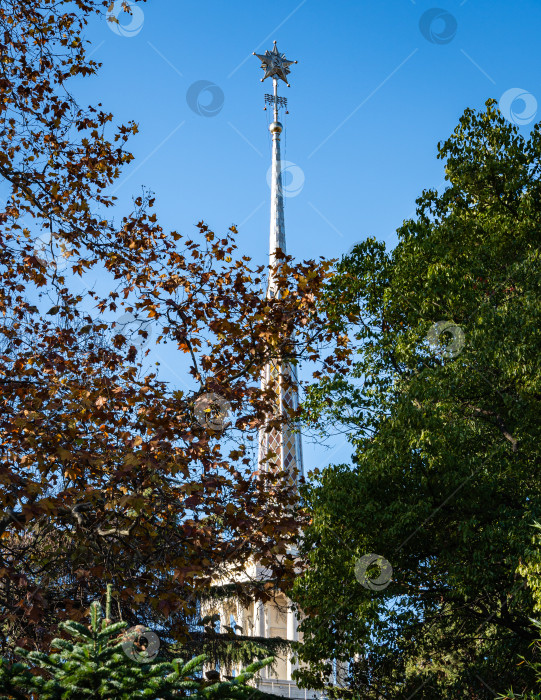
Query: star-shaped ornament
[275, 64]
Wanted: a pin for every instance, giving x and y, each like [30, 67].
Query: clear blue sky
[370, 98]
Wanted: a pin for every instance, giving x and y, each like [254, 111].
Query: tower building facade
[280, 447]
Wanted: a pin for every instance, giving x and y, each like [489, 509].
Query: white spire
[277, 222]
[285, 443]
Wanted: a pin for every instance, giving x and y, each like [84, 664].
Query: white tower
[279, 449]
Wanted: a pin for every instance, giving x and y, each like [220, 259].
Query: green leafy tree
[442, 410]
[105, 661]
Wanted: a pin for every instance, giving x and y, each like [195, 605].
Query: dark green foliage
[535, 667]
[228, 648]
[446, 477]
[530, 568]
[233, 649]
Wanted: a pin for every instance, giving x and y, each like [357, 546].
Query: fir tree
[100, 661]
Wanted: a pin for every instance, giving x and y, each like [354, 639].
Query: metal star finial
[275, 64]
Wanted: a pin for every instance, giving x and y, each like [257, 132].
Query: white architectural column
[241, 620]
[292, 624]
[260, 620]
[260, 628]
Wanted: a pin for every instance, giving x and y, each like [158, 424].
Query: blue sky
[377, 85]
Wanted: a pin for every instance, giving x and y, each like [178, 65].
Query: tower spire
[284, 444]
[276, 66]
[280, 447]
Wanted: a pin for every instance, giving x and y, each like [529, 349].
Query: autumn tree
[107, 472]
